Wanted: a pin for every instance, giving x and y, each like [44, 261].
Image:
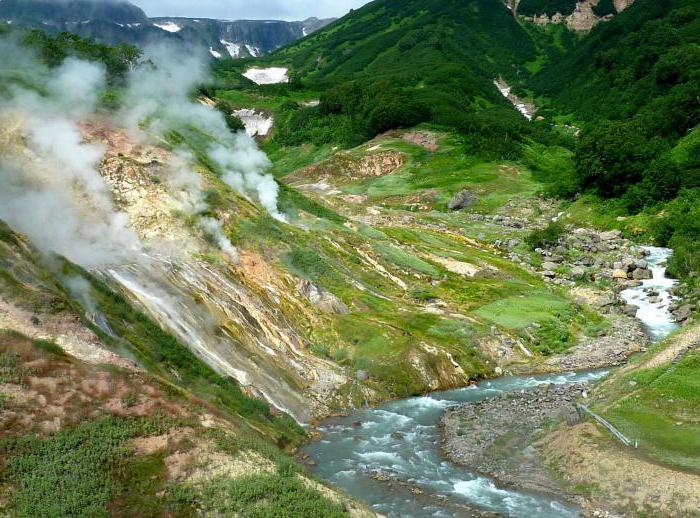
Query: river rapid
[398, 442]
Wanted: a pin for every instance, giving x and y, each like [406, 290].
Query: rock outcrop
[582, 19]
[462, 200]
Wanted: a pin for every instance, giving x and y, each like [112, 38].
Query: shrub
[545, 237]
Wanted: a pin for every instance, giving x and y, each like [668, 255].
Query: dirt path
[678, 345]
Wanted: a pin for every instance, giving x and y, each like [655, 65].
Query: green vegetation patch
[522, 311]
[258, 496]
[70, 473]
[659, 407]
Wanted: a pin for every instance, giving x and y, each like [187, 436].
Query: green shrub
[69, 474]
[258, 496]
[548, 236]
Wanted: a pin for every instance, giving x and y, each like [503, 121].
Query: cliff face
[582, 19]
[115, 21]
[621, 5]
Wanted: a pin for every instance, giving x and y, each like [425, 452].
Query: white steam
[55, 194]
[158, 99]
[242, 165]
[189, 192]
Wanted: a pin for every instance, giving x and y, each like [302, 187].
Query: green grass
[258, 496]
[659, 407]
[288, 159]
[404, 259]
[71, 473]
[522, 311]
[445, 172]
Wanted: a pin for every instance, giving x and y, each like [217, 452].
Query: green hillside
[398, 63]
[633, 85]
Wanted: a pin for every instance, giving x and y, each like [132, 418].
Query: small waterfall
[653, 297]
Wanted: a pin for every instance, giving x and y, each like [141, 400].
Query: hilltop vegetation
[395, 64]
[633, 85]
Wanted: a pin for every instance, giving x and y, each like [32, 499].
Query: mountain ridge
[119, 21]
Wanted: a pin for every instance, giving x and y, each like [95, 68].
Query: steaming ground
[60, 176]
[68, 188]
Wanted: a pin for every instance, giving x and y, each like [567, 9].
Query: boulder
[578, 272]
[611, 235]
[619, 274]
[630, 310]
[549, 266]
[605, 300]
[641, 263]
[362, 375]
[462, 200]
[683, 313]
[322, 299]
[628, 264]
[641, 274]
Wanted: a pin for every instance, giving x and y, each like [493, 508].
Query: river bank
[535, 439]
[500, 437]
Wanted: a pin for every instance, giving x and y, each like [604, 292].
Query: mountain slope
[118, 21]
[387, 37]
[633, 84]
[395, 64]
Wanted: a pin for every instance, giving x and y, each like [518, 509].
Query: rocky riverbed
[499, 437]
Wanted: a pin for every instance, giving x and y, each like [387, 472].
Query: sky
[247, 9]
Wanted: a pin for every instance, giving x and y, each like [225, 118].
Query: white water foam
[654, 315]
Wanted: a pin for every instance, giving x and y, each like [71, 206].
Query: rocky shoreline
[499, 437]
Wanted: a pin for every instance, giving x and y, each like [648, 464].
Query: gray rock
[630, 310]
[462, 200]
[362, 375]
[549, 266]
[628, 263]
[322, 299]
[683, 313]
[605, 300]
[641, 263]
[641, 274]
[611, 235]
[578, 272]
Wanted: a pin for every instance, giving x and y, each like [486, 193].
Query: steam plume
[158, 97]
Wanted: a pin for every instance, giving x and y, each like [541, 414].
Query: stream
[399, 440]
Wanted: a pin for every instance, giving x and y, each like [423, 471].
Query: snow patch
[254, 51]
[256, 123]
[214, 53]
[267, 76]
[526, 110]
[168, 26]
[233, 49]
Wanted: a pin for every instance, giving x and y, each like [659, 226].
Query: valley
[372, 273]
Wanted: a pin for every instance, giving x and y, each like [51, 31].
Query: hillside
[633, 87]
[181, 303]
[393, 64]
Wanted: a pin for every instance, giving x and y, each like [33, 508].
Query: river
[399, 440]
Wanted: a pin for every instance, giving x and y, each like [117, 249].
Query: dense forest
[633, 85]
